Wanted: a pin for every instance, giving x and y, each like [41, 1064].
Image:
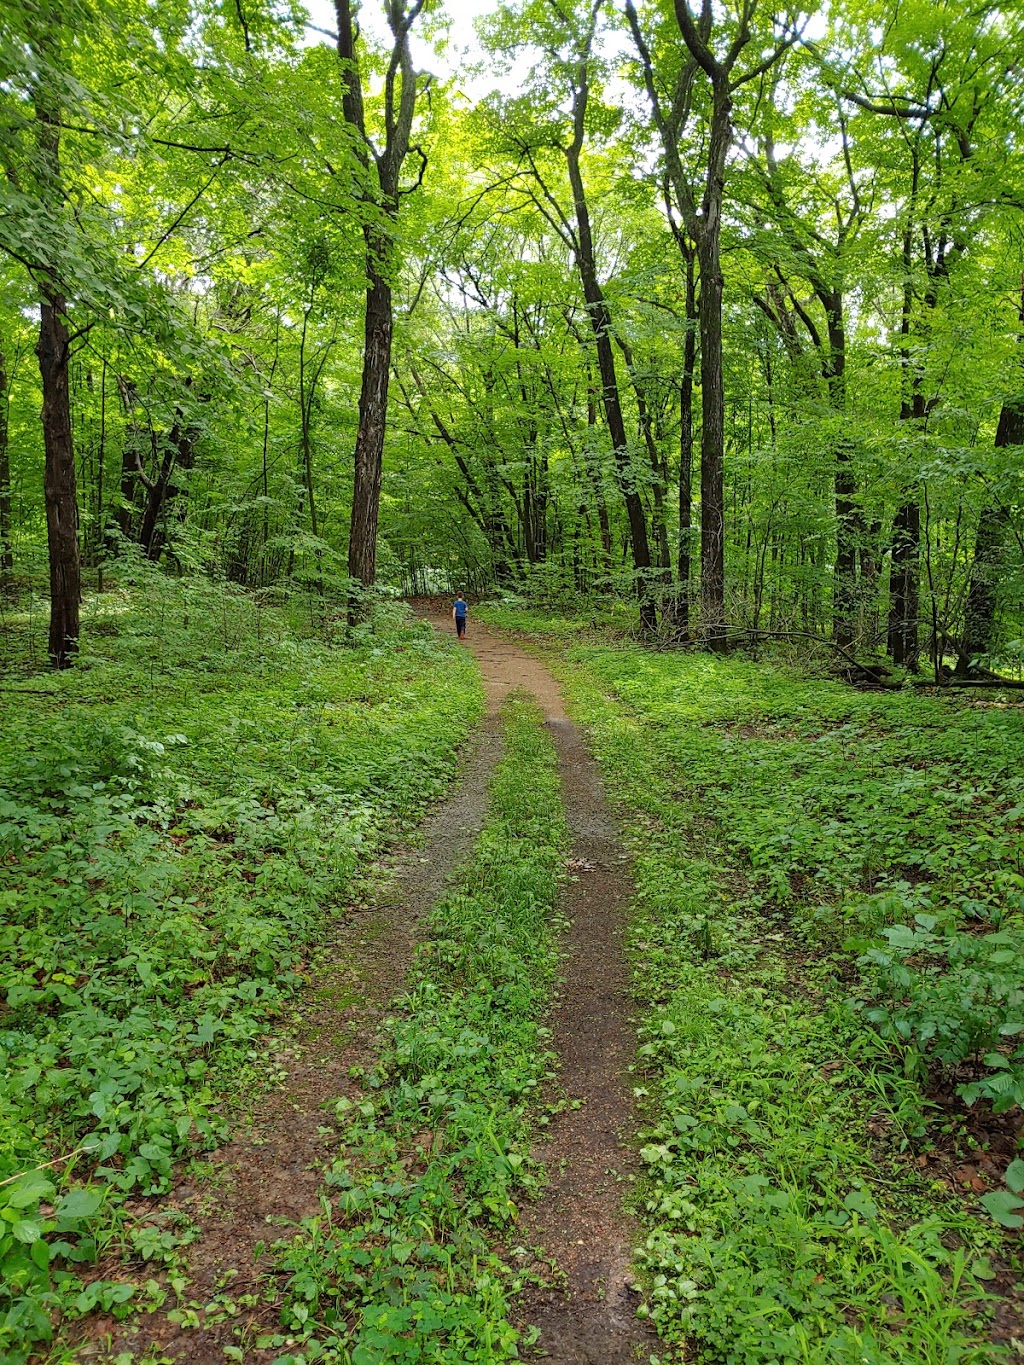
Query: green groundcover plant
[829, 891]
[180, 817]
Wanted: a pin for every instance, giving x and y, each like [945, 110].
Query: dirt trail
[579, 1221]
[271, 1170]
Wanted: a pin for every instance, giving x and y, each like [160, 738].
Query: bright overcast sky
[462, 45]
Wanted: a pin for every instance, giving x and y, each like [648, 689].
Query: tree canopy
[712, 308]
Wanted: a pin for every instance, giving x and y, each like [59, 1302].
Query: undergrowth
[399, 1267]
[797, 1203]
[180, 816]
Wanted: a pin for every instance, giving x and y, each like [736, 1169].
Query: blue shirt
[460, 609]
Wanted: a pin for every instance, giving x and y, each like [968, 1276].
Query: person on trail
[459, 611]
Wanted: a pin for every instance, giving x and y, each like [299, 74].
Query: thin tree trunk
[712, 446]
[101, 548]
[847, 512]
[682, 605]
[6, 509]
[906, 526]
[601, 327]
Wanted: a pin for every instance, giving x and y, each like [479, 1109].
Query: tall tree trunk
[903, 584]
[59, 483]
[131, 460]
[847, 512]
[182, 461]
[684, 552]
[603, 520]
[6, 509]
[601, 327]
[980, 610]
[704, 229]
[53, 352]
[712, 445]
[101, 468]
[400, 92]
[906, 526]
[373, 408]
[989, 544]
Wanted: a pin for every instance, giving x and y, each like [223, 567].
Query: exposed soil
[589, 1318]
[580, 1220]
[270, 1173]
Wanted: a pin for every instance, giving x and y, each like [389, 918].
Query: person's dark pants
[460, 626]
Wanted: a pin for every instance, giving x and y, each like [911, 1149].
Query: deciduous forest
[639, 978]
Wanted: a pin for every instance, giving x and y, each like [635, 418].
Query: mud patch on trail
[271, 1172]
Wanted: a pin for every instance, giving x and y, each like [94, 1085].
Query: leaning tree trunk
[59, 483]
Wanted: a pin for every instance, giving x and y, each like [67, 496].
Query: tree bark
[373, 408]
[980, 610]
[712, 446]
[6, 509]
[906, 526]
[601, 327]
[178, 456]
[53, 352]
[903, 584]
[400, 92]
[59, 483]
[847, 511]
[682, 603]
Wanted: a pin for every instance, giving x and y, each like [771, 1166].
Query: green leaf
[1004, 1208]
[81, 1203]
[27, 1190]
[1014, 1176]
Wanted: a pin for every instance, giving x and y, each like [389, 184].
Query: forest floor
[269, 1176]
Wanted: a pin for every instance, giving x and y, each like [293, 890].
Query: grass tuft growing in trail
[174, 840]
[802, 1154]
[400, 1268]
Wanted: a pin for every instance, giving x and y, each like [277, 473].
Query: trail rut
[590, 1319]
[271, 1170]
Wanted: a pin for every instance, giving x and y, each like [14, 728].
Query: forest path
[271, 1171]
[579, 1220]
